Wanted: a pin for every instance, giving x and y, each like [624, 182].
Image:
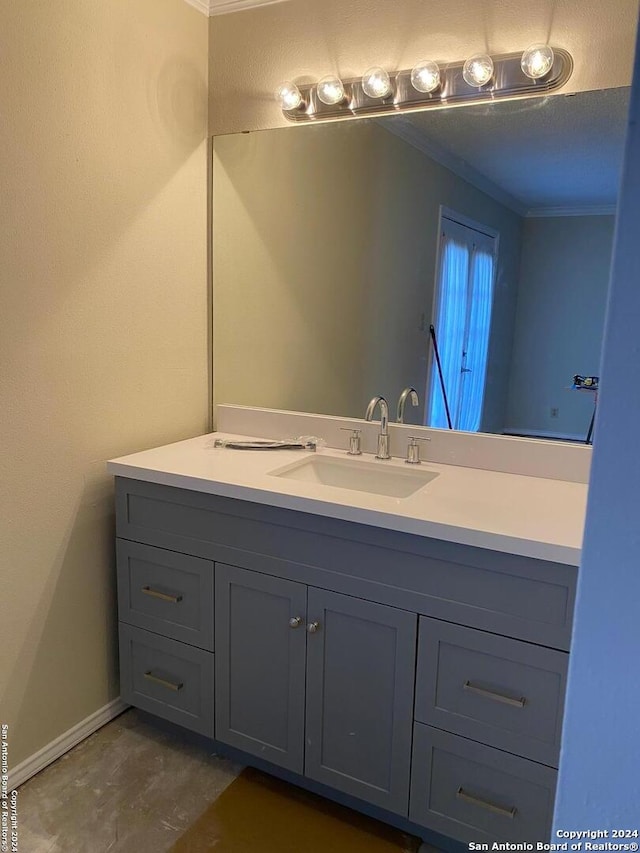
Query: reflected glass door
[464, 295]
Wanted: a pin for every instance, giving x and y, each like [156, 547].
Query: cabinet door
[360, 678]
[260, 662]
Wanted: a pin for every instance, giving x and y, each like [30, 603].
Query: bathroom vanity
[358, 644]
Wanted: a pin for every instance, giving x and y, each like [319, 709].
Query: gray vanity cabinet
[419, 680]
[316, 682]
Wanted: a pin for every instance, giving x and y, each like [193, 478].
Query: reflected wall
[325, 241]
[325, 247]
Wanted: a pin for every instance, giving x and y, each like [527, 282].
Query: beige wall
[103, 313]
[253, 51]
[324, 252]
[289, 243]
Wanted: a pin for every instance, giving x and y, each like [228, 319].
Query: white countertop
[516, 514]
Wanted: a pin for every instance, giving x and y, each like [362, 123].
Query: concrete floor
[132, 787]
[129, 787]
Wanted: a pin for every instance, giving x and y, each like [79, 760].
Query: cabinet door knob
[295, 622]
[312, 627]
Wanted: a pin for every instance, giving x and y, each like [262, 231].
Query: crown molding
[573, 210]
[223, 7]
[200, 5]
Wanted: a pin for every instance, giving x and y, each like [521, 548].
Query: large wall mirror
[326, 246]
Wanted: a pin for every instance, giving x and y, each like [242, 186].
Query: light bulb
[288, 96]
[478, 70]
[537, 61]
[425, 76]
[330, 90]
[376, 83]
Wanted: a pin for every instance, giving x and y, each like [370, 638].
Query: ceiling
[558, 154]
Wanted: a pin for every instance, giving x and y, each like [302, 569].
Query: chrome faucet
[383, 437]
[413, 395]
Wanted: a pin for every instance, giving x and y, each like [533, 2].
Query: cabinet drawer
[492, 689]
[472, 792]
[166, 592]
[167, 678]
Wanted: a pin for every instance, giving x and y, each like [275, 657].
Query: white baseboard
[57, 748]
[540, 433]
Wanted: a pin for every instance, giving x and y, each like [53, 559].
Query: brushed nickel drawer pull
[174, 599]
[485, 804]
[170, 685]
[498, 697]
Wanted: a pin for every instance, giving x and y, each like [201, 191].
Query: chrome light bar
[508, 81]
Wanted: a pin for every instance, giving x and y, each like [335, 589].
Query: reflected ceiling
[564, 151]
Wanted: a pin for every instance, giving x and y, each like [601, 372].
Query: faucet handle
[355, 440]
[413, 450]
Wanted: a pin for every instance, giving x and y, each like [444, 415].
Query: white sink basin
[378, 478]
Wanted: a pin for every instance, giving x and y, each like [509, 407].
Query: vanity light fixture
[537, 61]
[331, 90]
[425, 76]
[536, 71]
[376, 83]
[289, 96]
[478, 70]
